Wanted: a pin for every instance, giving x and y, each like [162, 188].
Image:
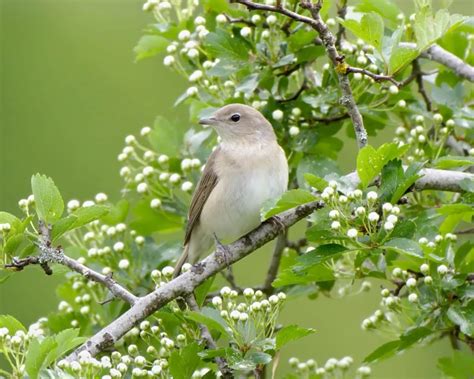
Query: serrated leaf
[149, 46]
[370, 29]
[37, 354]
[11, 323]
[404, 246]
[319, 255]
[78, 218]
[209, 317]
[48, 200]
[400, 57]
[184, 361]
[385, 8]
[464, 318]
[227, 47]
[288, 200]
[449, 161]
[315, 181]
[291, 333]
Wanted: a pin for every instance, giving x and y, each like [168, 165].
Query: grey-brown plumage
[244, 171]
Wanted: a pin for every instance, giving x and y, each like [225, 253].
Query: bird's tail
[181, 261]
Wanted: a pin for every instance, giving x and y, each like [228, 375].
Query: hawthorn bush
[323, 73]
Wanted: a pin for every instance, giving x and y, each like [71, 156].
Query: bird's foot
[276, 221]
[223, 253]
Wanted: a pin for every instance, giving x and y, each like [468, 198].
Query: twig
[50, 254]
[421, 87]
[376, 77]
[438, 54]
[341, 12]
[207, 337]
[459, 147]
[295, 95]
[328, 40]
[229, 276]
[329, 119]
[275, 263]
[267, 231]
[240, 20]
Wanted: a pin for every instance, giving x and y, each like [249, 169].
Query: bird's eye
[235, 117]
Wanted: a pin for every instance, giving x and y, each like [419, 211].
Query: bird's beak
[208, 121]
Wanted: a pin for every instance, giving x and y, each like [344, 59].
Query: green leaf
[315, 181]
[227, 47]
[384, 351]
[288, 200]
[48, 200]
[184, 361]
[248, 84]
[259, 358]
[291, 333]
[319, 255]
[209, 317]
[400, 57]
[404, 246]
[149, 46]
[66, 340]
[203, 289]
[464, 318]
[78, 218]
[385, 8]
[165, 136]
[370, 28]
[8, 218]
[37, 354]
[449, 161]
[11, 323]
[460, 366]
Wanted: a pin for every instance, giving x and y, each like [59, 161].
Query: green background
[70, 93]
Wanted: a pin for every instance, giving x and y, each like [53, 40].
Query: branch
[50, 254]
[438, 54]
[376, 77]
[207, 337]
[337, 60]
[459, 147]
[419, 81]
[275, 263]
[185, 284]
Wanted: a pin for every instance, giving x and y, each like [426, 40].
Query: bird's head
[240, 123]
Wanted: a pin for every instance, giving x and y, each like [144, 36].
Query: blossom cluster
[332, 368]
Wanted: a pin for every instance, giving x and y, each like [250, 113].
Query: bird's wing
[204, 188]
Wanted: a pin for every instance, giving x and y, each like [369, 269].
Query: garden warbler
[246, 169]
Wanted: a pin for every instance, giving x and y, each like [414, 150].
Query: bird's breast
[246, 181]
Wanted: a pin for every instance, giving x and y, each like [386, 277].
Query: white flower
[163, 159]
[360, 211]
[248, 292]
[193, 53]
[87, 204]
[273, 299]
[184, 35]
[277, 115]
[392, 218]
[428, 280]
[155, 203]
[372, 196]
[411, 283]
[395, 210]
[195, 76]
[243, 316]
[364, 370]
[225, 291]
[451, 237]
[424, 268]
[357, 76]
[362, 60]
[402, 103]
[216, 301]
[199, 20]
[387, 207]
[221, 19]
[101, 197]
[438, 238]
[419, 119]
[357, 193]
[73, 204]
[334, 214]
[186, 186]
[335, 225]
[422, 139]
[265, 34]
[245, 31]
[271, 20]
[168, 271]
[130, 139]
[175, 178]
[442, 270]
[148, 170]
[164, 5]
[168, 60]
[388, 226]
[294, 131]
[373, 216]
[256, 18]
[124, 171]
[413, 298]
[185, 164]
[438, 117]
[343, 199]
[235, 315]
[124, 264]
[191, 91]
[142, 187]
[397, 272]
[145, 131]
[119, 246]
[393, 89]
[352, 233]
[400, 131]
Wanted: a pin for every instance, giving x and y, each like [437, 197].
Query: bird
[247, 169]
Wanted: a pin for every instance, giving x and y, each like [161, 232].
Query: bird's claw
[223, 253]
[276, 220]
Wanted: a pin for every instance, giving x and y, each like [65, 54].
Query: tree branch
[186, 283]
[275, 262]
[438, 54]
[50, 254]
[207, 337]
[329, 42]
[419, 81]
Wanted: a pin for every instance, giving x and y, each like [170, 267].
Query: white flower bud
[372, 196]
[395, 210]
[400, 131]
[167, 271]
[186, 186]
[87, 204]
[392, 218]
[245, 31]
[265, 34]
[413, 298]
[216, 301]
[402, 104]
[428, 280]
[186, 267]
[411, 283]
[393, 89]
[175, 178]
[155, 203]
[294, 131]
[100, 197]
[334, 214]
[387, 207]
[225, 291]
[277, 115]
[271, 20]
[362, 60]
[221, 19]
[374, 216]
[343, 199]
[195, 76]
[364, 370]
[438, 117]
[388, 226]
[73, 205]
[142, 187]
[119, 246]
[397, 272]
[424, 268]
[235, 315]
[124, 264]
[184, 35]
[130, 139]
[352, 233]
[360, 211]
[442, 270]
[192, 53]
[168, 60]
[335, 225]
